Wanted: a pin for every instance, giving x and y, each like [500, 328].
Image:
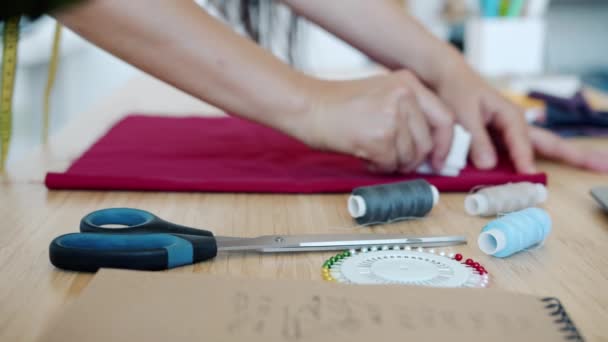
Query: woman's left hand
[483, 111]
[551, 146]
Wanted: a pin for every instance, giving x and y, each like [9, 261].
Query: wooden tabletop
[572, 265]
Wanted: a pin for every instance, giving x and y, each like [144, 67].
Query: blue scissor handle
[135, 221]
[90, 251]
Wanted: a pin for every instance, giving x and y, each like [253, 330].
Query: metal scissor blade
[329, 242]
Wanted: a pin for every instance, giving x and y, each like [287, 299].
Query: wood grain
[573, 264]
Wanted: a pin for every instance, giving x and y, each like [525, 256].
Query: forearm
[382, 30]
[181, 44]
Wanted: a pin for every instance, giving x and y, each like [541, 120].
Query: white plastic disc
[405, 267]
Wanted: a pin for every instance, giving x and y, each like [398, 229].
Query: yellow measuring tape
[50, 82]
[9, 63]
[9, 67]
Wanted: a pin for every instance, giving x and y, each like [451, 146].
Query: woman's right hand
[393, 121]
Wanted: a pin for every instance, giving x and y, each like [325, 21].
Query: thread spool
[515, 232]
[505, 198]
[391, 202]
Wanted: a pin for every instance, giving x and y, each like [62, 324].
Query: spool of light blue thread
[515, 232]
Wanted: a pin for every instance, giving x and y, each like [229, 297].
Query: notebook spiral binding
[557, 311]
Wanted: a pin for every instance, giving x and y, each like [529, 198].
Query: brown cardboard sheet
[142, 306]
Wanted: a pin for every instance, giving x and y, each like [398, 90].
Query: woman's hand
[483, 111]
[396, 40]
[551, 146]
[393, 121]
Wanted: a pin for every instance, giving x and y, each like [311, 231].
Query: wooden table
[573, 265]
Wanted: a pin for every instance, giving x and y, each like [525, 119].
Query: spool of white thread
[505, 198]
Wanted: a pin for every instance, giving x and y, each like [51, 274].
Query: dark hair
[260, 20]
[31, 8]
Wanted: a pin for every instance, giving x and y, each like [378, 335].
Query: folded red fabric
[232, 155]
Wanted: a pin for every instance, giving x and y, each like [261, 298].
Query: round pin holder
[384, 265]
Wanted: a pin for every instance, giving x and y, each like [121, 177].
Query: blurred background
[552, 50]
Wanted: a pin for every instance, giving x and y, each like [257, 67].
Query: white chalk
[457, 157]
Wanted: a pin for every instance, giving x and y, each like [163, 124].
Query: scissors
[146, 242]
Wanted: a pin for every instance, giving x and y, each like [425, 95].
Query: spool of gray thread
[391, 202]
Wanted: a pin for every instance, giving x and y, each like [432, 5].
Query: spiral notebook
[154, 307]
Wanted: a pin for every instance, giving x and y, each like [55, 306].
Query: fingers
[384, 157]
[437, 116]
[409, 142]
[441, 122]
[413, 127]
[406, 146]
[553, 147]
[510, 121]
[483, 153]
[382, 143]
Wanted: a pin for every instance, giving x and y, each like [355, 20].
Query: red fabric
[232, 155]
